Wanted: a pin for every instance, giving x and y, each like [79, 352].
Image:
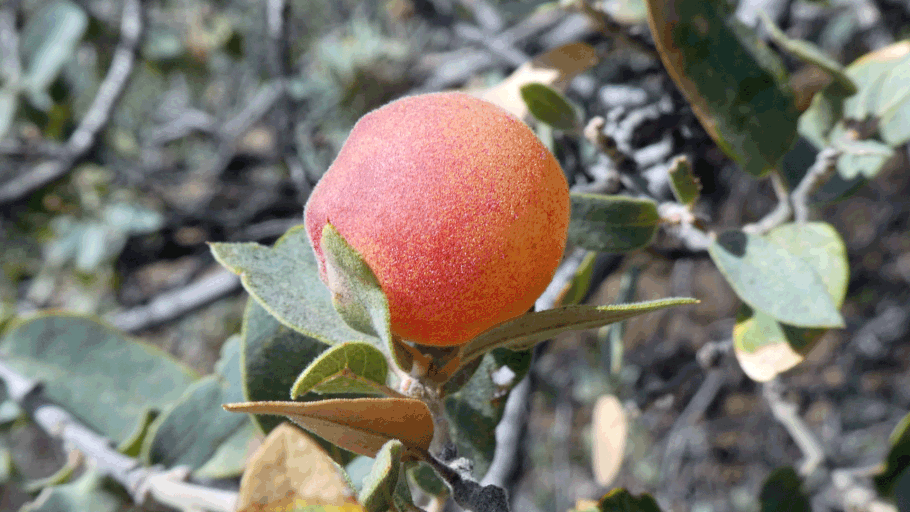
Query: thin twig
[174, 304]
[787, 414]
[467, 493]
[780, 214]
[678, 439]
[817, 175]
[499, 47]
[98, 115]
[139, 481]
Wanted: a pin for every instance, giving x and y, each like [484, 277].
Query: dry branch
[139, 481]
[97, 117]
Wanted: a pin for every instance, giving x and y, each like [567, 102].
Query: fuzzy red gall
[456, 206]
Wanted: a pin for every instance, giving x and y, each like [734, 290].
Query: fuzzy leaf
[229, 460]
[898, 461]
[356, 293]
[191, 432]
[736, 85]
[765, 347]
[882, 102]
[527, 330]
[782, 492]
[769, 278]
[291, 472]
[423, 476]
[862, 158]
[132, 445]
[273, 357]
[621, 500]
[285, 280]
[549, 106]
[379, 486]
[86, 493]
[360, 425]
[353, 367]
[686, 186]
[476, 408]
[577, 289]
[612, 223]
[810, 54]
[555, 68]
[94, 371]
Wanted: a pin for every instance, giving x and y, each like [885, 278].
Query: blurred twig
[787, 415]
[97, 117]
[818, 174]
[509, 430]
[796, 203]
[781, 212]
[680, 434]
[139, 481]
[173, 304]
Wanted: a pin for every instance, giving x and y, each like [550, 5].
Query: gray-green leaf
[86, 493]
[737, 86]
[549, 106]
[285, 280]
[379, 486]
[94, 371]
[898, 461]
[782, 492]
[49, 40]
[612, 223]
[356, 293]
[527, 330]
[191, 432]
[809, 53]
[771, 279]
[686, 186]
[476, 408]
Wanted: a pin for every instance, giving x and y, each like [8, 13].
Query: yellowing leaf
[290, 471]
[556, 69]
[360, 425]
[609, 429]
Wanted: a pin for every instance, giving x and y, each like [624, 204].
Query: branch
[138, 481]
[508, 432]
[817, 175]
[786, 413]
[469, 494]
[796, 203]
[98, 115]
[171, 305]
[780, 214]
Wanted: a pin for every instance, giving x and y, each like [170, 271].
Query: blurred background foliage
[229, 112]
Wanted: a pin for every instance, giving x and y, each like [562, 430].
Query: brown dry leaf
[556, 69]
[609, 429]
[360, 425]
[289, 472]
[767, 362]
